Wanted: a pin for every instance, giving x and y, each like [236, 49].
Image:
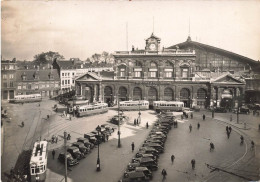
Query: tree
[46, 57]
[105, 57]
[96, 57]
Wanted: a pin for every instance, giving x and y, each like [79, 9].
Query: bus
[90, 109]
[168, 105]
[26, 98]
[38, 162]
[134, 105]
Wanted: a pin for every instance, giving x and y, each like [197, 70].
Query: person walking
[198, 126]
[133, 146]
[56, 139]
[203, 117]
[53, 154]
[252, 145]
[227, 129]
[135, 122]
[193, 163]
[164, 173]
[107, 137]
[190, 127]
[172, 158]
[147, 125]
[228, 134]
[230, 129]
[191, 115]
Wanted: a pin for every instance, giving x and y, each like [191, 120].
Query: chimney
[133, 48]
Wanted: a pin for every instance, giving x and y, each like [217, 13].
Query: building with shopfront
[176, 73]
[38, 81]
[8, 69]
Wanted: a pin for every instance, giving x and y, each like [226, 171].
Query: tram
[38, 162]
[26, 98]
[168, 105]
[134, 105]
[90, 109]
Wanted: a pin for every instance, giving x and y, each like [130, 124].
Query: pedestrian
[56, 139]
[172, 158]
[193, 163]
[70, 117]
[198, 126]
[48, 116]
[68, 137]
[147, 125]
[252, 145]
[52, 139]
[203, 117]
[164, 173]
[231, 118]
[107, 137]
[190, 127]
[191, 115]
[227, 129]
[230, 129]
[133, 146]
[228, 134]
[39, 104]
[53, 154]
[135, 122]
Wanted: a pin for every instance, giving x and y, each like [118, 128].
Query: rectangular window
[68, 74]
[5, 84]
[24, 86]
[122, 72]
[36, 87]
[73, 74]
[62, 82]
[29, 86]
[185, 72]
[56, 85]
[47, 85]
[4, 76]
[11, 67]
[168, 74]
[137, 74]
[68, 81]
[11, 76]
[65, 74]
[153, 74]
[65, 82]
[11, 84]
[62, 74]
[19, 87]
[73, 81]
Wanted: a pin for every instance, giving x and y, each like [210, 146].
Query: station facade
[154, 74]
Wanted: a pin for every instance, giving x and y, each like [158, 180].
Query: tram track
[238, 131]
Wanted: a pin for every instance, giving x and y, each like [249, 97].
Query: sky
[79, 29]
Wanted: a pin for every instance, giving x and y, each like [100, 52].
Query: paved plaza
[228, 155]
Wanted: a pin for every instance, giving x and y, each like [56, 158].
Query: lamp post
[98, 159]
[119, 143]
[139, 114]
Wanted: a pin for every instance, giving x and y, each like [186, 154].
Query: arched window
[184, 94]
[153, 70]
[122, 71]
[168, 94]
[168, 70]
[153, 64]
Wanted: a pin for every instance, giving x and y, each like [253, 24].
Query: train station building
[191, 72]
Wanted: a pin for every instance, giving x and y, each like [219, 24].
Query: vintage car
[84, 150]
[86, 142]
[91, 137]
[70, 160]
[135, 177]
[76, 154]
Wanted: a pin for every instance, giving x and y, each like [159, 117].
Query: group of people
[54, 139]
[136, 122]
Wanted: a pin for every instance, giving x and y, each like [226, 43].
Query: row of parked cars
[145, 161]
[78, 150]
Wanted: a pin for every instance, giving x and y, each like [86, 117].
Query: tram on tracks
[26, 98]
[134, 105]
[168, 106]
[38, 162]
[85, 110]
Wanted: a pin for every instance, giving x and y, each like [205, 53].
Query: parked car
[220, 110]
[91, 137]
[84, 150]
[109, 128]
[76, 154]
[242, 110]
[149, 163]
[70, 160]
[135, 177]
[149, 150]
[86, 142]
[140, 155]
[154, 141]
[156, 146]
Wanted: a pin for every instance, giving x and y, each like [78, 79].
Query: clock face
[152, 46]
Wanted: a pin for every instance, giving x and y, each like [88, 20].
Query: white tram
[168, 105]
[26, 98]
[134, 105]
[86, 110]
[38, 162]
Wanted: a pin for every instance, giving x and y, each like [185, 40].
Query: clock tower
[152, 43]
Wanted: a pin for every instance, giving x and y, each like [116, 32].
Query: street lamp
[139, 114]
[119, 143]
[98, 159]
